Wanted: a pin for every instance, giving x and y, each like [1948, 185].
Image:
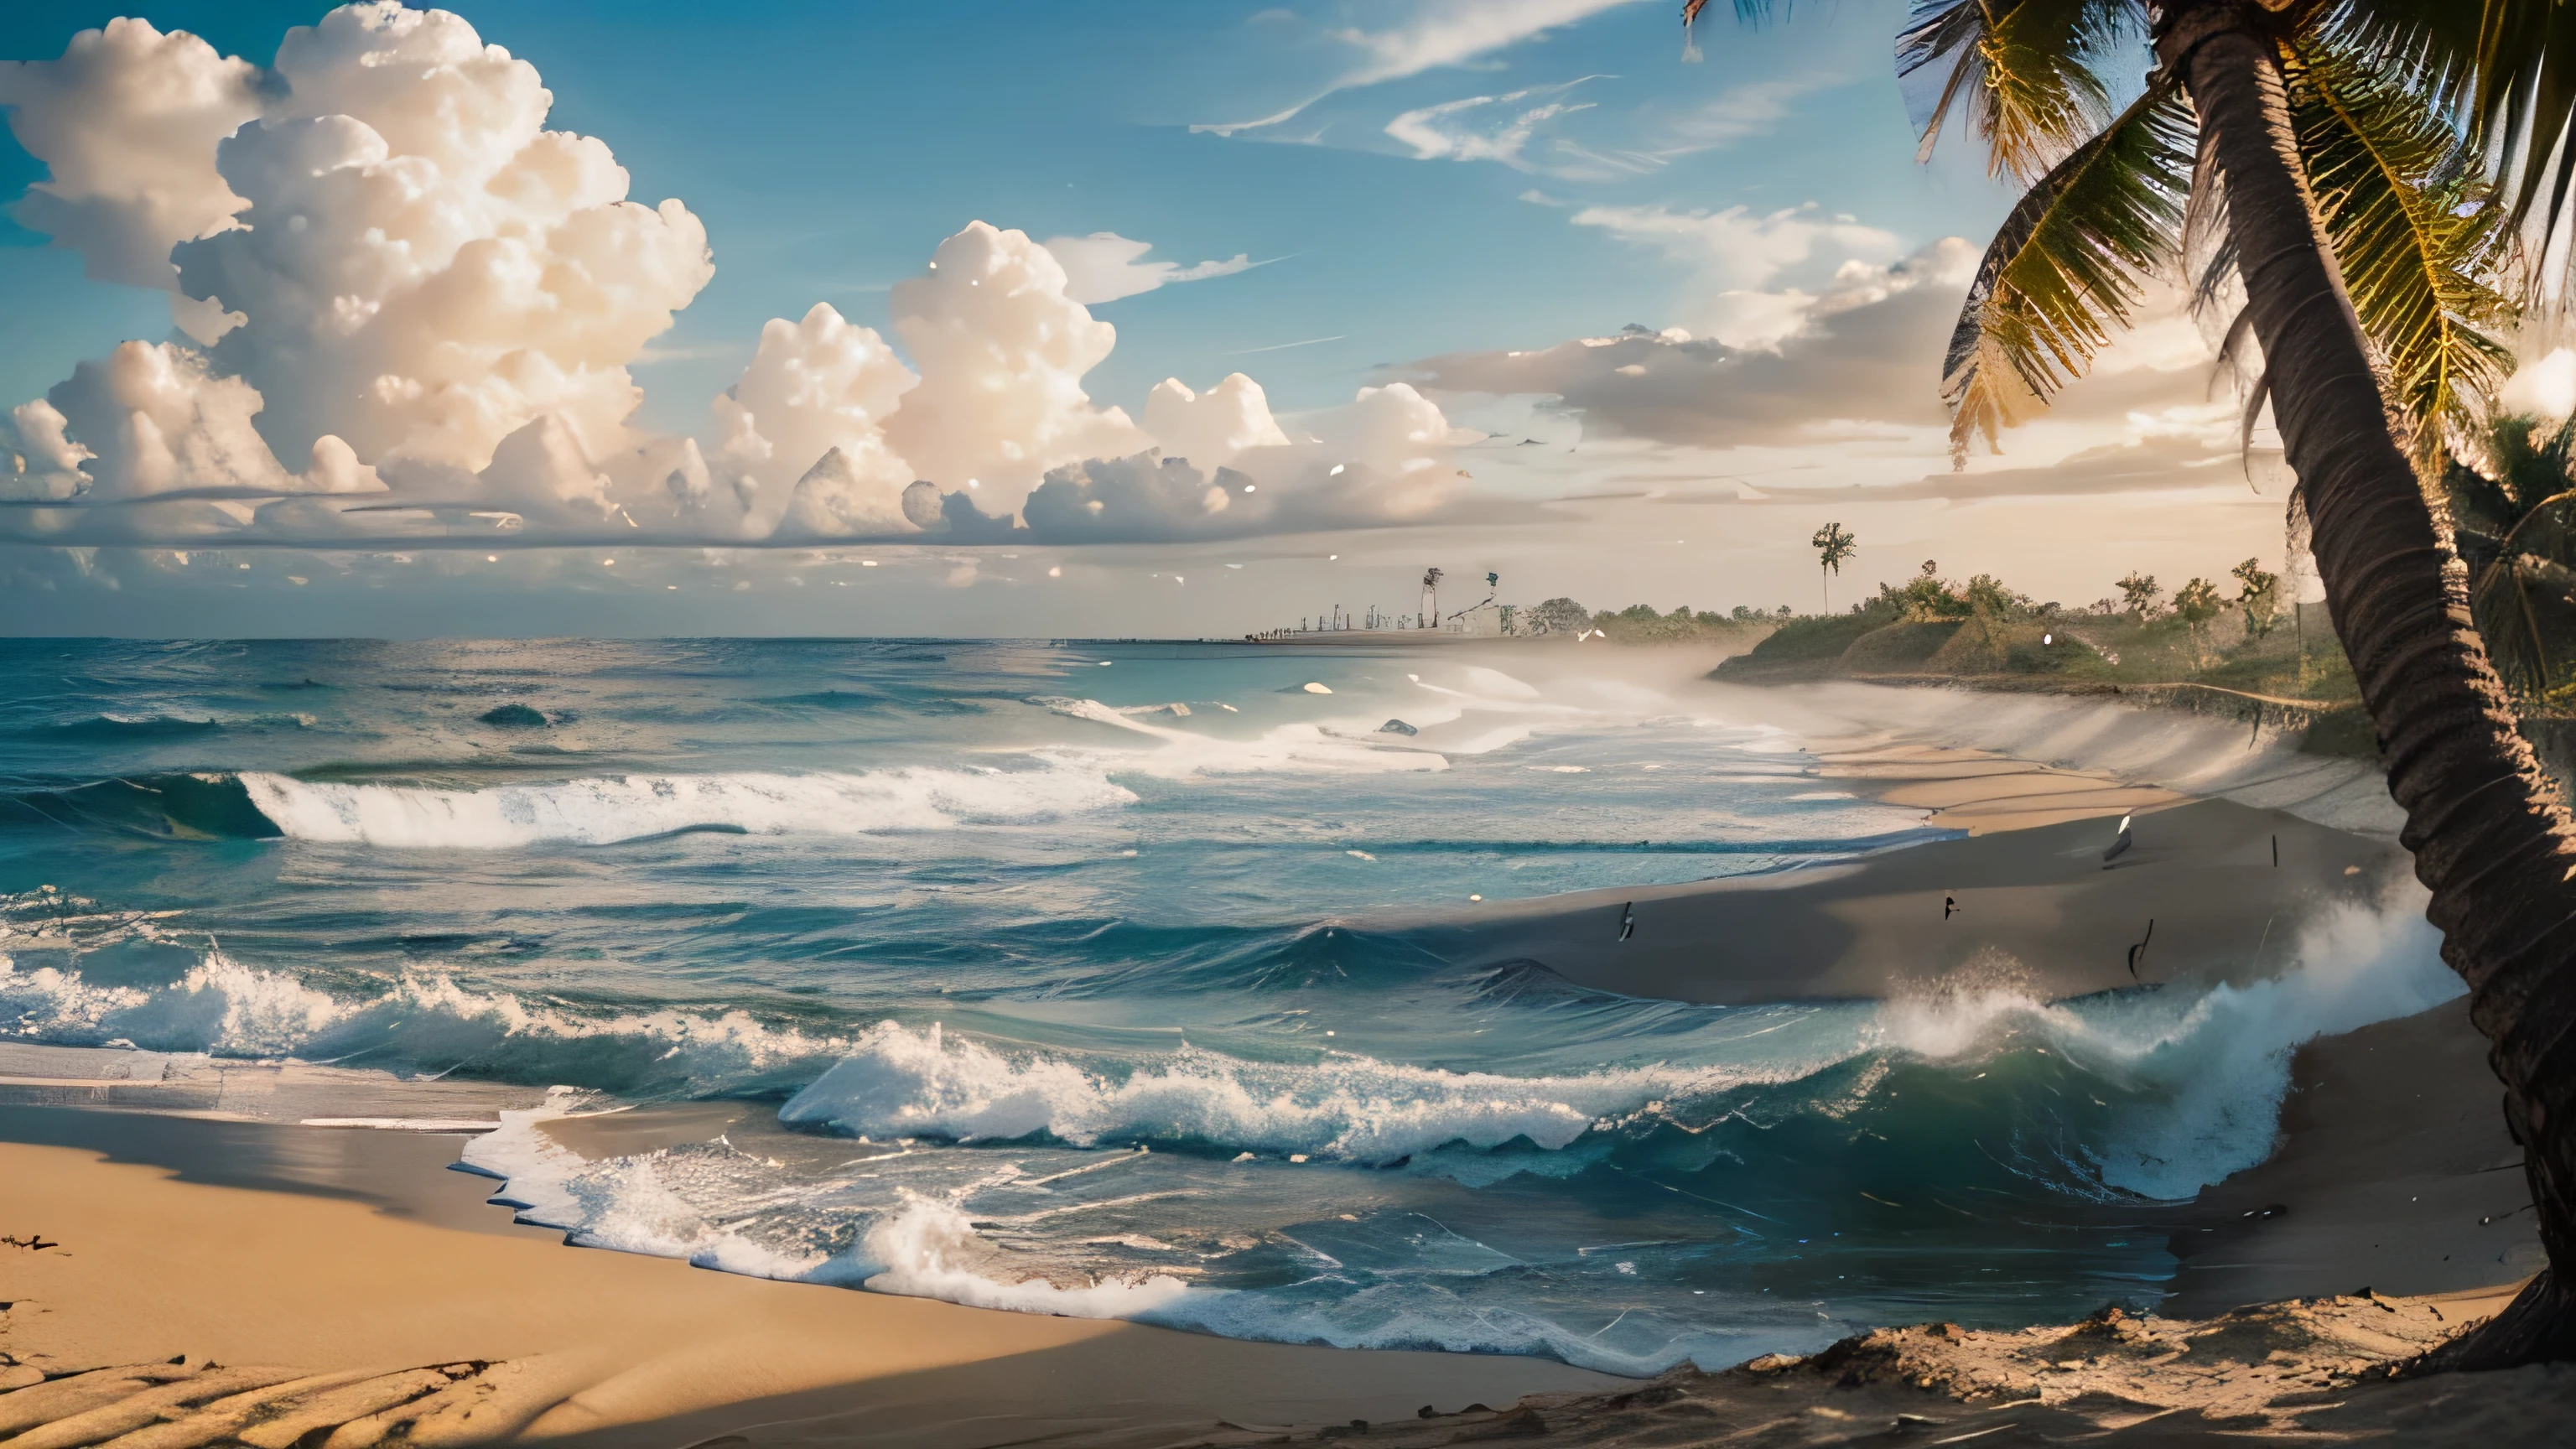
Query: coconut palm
[2513, 521]
[2318, 157]
[1833, 544]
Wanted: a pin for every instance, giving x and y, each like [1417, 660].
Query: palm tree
[2319, 157]
[1833, 545]
[2514, 525]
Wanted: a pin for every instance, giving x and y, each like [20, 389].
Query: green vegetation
[1644, 624]
[1984, 630]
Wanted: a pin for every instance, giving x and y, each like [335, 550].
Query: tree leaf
[2026, 71]
[2067, 267]
[2414, 234]
[2504, 69]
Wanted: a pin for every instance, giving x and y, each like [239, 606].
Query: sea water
[1013, 974]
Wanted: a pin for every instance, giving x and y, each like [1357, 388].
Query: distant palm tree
[1833, 545]
[2322, 158]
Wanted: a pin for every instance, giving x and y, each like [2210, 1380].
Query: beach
[328, 1252]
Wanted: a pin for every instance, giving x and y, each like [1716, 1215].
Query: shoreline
[403, 1269]
[152, 1264]
[430, 1328]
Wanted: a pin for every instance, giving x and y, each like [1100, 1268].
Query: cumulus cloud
[1213, 426]
[426, 269]
[413, 269]
[818, 389]
[1002, 352]
[128, 120]
[429, 302]
[1105, 266]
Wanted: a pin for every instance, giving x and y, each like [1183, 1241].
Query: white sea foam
[652, 1203]
[223, 1006]
[905, 1083]
[2207, 1072]
[1305, 747]
[602, 811]
[735, 1035]
[929, 1249]
[219, 1005]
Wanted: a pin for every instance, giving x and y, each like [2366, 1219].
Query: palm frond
[2506, 69]
[2409, 221]
[2026, 72]
[2067, 267]
[2513, 522]
[2526, 596]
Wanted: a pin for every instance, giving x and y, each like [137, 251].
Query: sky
[1146, 319]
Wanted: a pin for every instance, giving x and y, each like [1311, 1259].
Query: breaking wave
[631, 807]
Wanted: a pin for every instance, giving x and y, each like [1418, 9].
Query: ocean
[1016, 974]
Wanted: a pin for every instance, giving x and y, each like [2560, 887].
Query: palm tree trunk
[2489, 837]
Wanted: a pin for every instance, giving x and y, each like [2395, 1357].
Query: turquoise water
[1038, 984]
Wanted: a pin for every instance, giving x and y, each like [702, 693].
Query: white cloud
[817, 386]
[840, 496]
[1383, 457]
[1105, 266]
[438, 301]
[1520, 130]
[425, 268]
[420, 269]
[1210, 428]
[1864, 349]
[1002, 351]
[1734, 254]
[1482, 128]
[128, 120]
[1438, 33]
[2544, 387]
[1448, 32]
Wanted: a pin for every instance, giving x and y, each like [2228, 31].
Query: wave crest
[902, 1083]
[606, 810]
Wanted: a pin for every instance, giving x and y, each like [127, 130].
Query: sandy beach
[335, 1286]
[152, 1265]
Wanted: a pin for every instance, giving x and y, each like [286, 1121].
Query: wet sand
[2213, 889]
[368, 1267]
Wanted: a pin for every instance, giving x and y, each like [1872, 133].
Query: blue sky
[1457, 182]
